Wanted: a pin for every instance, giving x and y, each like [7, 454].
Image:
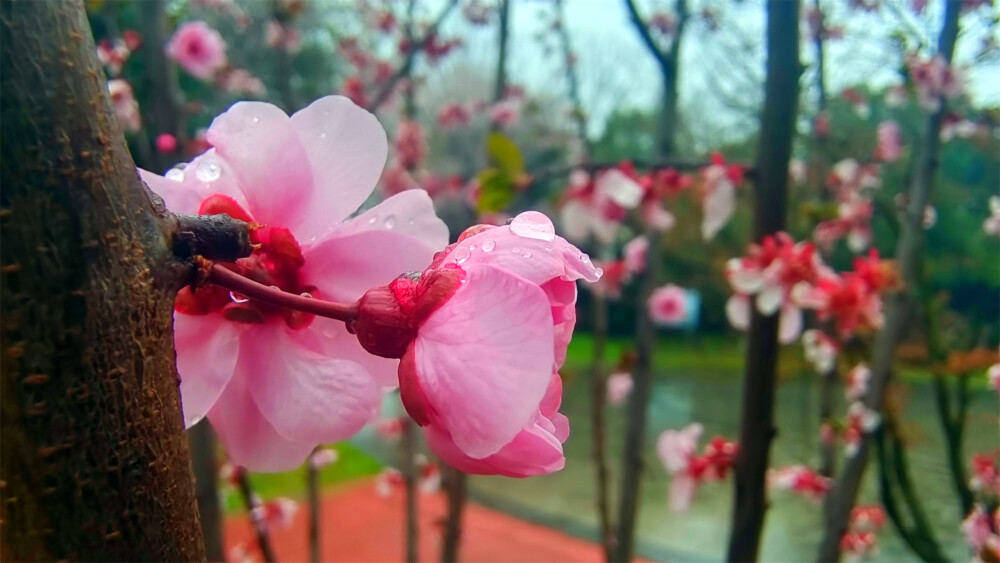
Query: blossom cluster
[677, 450]
[861, 539]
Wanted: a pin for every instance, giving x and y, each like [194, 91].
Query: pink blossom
[614, 275]
[240, 81]
[276, 514]
[391, 428]
[862, 526]
[484, 385]
[890, 142]
[124, 104]
[505, 113]
[166, 143]
[798, 171]
[586, 213]
[821, 125]
[113, 55]
[993, 374]
[934, 79]
[323, 457]
[663, 23]
[857, 382]
[977, 529]
[851, 301]
[867, 518]
[389, 479]
[991, 225]
[985, 475]
[283, 37]
[198, 49]
[719, 182]
[477, 12]
[858, 544]
[240, 553]
[957, 126]
[354, 89]
[860, 421]
[453, 116]
[619, 387]
[781, 275]
[410, 145]
[635, 254]
[801, 480]
[858, 102]
[276, 382]
[677, 450]
[667, 305]
[896, 96]
[820, 350]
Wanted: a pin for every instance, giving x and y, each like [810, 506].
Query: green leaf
[505, 154]
[496, 190]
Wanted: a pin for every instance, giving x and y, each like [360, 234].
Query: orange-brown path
[359, 525]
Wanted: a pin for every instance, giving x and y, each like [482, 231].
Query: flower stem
[224, 277]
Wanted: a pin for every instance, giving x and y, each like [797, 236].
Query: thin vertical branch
[256, 516]
[455, 483]
[503, 34]
[408, 451]
[164, 112]
[774, 149]
[315, 507]
[840, 500]
[569, 59]
[598, 402]
[206, 476]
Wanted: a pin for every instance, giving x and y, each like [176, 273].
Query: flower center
[275, 261]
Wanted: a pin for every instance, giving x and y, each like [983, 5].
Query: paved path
[358, 525]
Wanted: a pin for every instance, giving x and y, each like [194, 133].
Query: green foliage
[498, 185]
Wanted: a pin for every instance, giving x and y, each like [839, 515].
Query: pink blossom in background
[132, 39]
[799, 479]
[869, 518]
[240, 81]
[276, 514]
[957, 126]
[354, 89]
[619, 387]
[410, 144]
[896, 96]
[124, 103]
[198, 144]
[635, 254]
[240, 553]
[993, 375]
[389, 479]
[323, 457]
[385, 21]
[198, 49]
[857, 545]
[477, 12]
[485, 386]
[113, 55]
[677, 450]
[982, 535]
[798, 171]
[890, 142]
[275, 382]
[390, 428]
[781, 274]
[827, 434]
[985, 475]
[505, 113]
[166, 143]
[615, 275]
[282, 37]
[667, 305]
[586, 213]
[856, 385]
[860, 421]
[397, 179]
[858, 102]
[862, 526]
[719, 182]
[663, 23]
[991, 225]
[669, 182]
[453, 116]
[430, 478]
[820, 350]
[934, 79]
[821, 125]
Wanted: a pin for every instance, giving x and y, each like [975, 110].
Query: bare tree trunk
[163, 112]
[840, 500]
[408, 449]
[598, 402]
[206, 477]
[94, 459]
[774, 148]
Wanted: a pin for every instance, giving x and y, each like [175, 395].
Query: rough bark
[163, 111]
[774, 148]
[898, 306]
[94, 459]
[206, 475]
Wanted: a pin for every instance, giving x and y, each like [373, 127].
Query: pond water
[566, 499]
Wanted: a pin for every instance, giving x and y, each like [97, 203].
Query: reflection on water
[793, 524]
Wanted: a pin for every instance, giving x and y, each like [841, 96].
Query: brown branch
[642, 28]
[404, 69]
[774, 149]
[456, 485]
[598, 431]
[315, 506]
[408, 451]
[840, 500]
[256, 517]
[206, 473]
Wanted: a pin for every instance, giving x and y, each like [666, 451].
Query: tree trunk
[94, 459]
[456, 485]
[315, 507]
[774, 148]
[500, 84]
[408, 449]
[598, 432]
[163, 112]
[840, 500]
[206, 475]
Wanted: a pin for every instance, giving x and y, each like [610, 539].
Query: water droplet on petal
[515, 250]
[175, 174]
[411, 222]
[238, 297]
[208, 171]
[306, 294]
[584, 258]
[256, 120]
[489, 244]
[322, 135]
[274, 287]
[194, 421]
[527, 254]
[372, 219]
[390, 222]
[532, 224]
[599, 272]
[462, 254]
[472, 247]
[329, 332]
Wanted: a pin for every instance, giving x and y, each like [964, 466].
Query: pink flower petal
[534, 451]
[343, 268]
[330, 338]
[182, 191]
[738, 311]
[207, 350]
[346, 148]
[269, 160]
[248, 437]
[789, 324]
[502, 324]
[407, 213]
[307, 397]
[675, 447]
[682, 491]
[719, 206]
